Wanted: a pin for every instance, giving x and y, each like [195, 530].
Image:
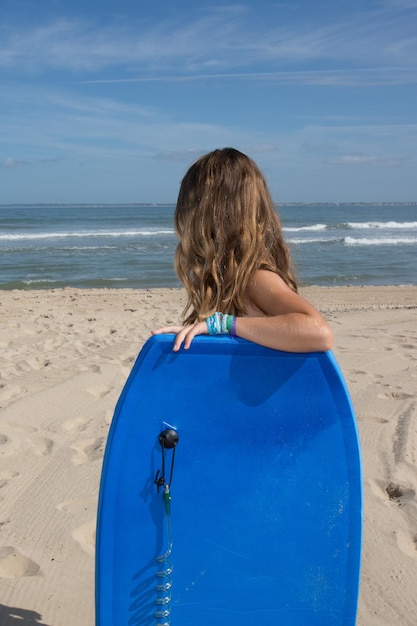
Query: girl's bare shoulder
[270, 294]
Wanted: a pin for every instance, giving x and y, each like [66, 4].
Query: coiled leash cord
[168, 440]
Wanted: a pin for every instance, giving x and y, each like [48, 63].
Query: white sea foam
[38, 281]
[85, 234]
[296, 229]
[383, 225]
[386, 241]
[298, 241]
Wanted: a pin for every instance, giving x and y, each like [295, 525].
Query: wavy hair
[228, 229]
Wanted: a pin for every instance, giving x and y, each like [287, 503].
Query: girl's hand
[184, 334]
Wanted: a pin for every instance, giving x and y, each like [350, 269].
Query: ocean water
[91, 246]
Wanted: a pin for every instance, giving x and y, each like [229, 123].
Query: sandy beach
[64, 357]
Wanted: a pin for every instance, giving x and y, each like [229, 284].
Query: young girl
[234, 263]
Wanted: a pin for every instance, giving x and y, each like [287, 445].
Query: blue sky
[104, 101]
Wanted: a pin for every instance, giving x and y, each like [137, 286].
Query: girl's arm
[286, 321]
[277, 318]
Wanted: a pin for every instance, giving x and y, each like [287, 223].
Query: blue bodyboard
[263, 503]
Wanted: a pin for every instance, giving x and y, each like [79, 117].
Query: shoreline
[65, 356]
[379, 291]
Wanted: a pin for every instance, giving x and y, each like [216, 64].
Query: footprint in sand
[88, 450]
[358, 372]
[99, 392]
[6, 476]
[23, 427]
[14, 564]
[85, 536]
[127, 361]
[407, 545]
[42, 445]
[8, 392]
[380, 420]
[37, 364]
[395, 395]
[8, 446]
[94, 368]
[78, 424]
[399, 494]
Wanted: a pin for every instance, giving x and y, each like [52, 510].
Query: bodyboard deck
[266, 500]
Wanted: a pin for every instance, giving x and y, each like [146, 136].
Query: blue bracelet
[212, 323]
[220, 324]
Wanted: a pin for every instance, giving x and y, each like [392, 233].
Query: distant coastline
[351, 204]
[172, 204]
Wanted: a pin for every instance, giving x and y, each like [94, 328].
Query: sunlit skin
[277, 318]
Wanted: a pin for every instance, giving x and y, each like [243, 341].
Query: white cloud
[373, 161]
[372, 130]
[335, 77]
[11, 163]
[212, 40]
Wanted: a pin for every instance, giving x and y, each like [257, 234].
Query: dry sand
[64, 357]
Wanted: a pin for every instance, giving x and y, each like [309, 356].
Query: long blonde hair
[228, 228]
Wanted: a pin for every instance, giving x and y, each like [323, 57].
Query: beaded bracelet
[221, 324]
[233, 329]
